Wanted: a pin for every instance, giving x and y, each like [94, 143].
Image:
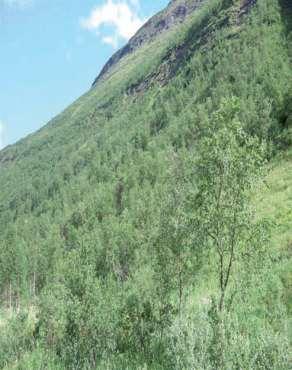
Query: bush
[16, 337]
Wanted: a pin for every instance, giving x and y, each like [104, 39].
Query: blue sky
[51, 51]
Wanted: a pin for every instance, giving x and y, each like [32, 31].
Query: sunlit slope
[275, 204]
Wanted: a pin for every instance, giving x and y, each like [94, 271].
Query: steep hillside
[116, 251]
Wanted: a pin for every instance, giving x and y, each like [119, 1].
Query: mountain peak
[176, 12]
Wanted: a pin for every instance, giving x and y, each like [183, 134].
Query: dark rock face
[175, 57]
[176, 12]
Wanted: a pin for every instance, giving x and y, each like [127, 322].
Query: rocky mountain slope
[175, 13]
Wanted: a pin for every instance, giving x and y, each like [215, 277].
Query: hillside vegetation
[149, 225]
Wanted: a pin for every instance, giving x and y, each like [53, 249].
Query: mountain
[175, 13]
[149, 225]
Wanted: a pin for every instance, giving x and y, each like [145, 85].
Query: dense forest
[149, 225]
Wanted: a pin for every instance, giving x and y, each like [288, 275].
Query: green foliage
[17, 336]
[108, 214]
[228, 168]
[204, 342]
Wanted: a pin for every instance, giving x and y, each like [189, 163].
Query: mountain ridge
[176, 12]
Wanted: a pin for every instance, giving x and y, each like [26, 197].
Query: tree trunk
[10, 296]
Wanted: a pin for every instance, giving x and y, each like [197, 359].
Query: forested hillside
[149, 225]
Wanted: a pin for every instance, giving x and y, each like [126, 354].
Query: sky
[52, 50]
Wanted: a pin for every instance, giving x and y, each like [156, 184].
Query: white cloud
[17, 3]
[135, 3]
[111, 40]
[120, 14]
[1, 135]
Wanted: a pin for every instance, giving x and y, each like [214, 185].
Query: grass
[275, 204]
